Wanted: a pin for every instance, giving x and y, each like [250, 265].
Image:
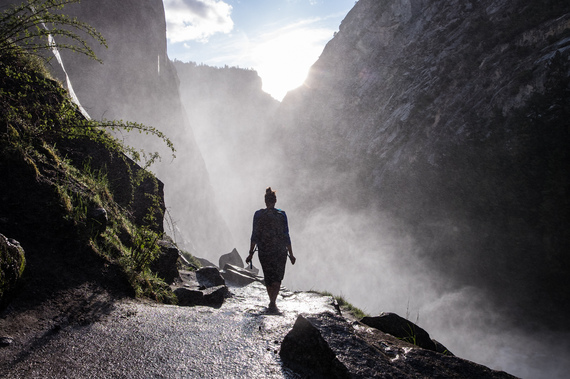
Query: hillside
[82, 211]
[137, 82]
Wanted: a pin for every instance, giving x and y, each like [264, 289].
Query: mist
[358, 251]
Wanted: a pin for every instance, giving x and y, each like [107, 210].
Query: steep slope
[137, 82]
[453, 118]
[83, 212]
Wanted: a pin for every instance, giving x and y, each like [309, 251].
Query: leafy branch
[34, 25]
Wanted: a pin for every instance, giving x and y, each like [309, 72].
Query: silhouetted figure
[271, 235]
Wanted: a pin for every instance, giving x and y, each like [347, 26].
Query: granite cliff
[452, 117]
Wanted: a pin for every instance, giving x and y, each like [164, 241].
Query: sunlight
[284, 58]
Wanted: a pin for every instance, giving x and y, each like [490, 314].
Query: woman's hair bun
[270, 195]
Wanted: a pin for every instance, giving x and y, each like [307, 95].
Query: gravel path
[238, 340]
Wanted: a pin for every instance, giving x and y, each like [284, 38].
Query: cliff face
[452, 117]
[137, 82]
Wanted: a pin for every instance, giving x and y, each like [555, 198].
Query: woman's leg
[273, 291]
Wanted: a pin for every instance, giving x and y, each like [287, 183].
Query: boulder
[215, 296]
[401, 328]
[188, 297]
[165, 264]
[238, 276]
[211, 297]
[12, 264]
[209, 277]
[305, 349]
[98, 219]
[205, 262]
[232, 258]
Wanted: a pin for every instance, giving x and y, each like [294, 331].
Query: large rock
[305, 348]
[215, 296]
[165, 265]
[327, 346]
[238, 276]
[211, 297]
[12, 265]
[209, 277]
[205, 263]
[232, 258]
[401, 328]
[188, 297]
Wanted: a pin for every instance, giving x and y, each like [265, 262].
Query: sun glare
[284, 58]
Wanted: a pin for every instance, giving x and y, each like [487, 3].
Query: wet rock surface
[328, 346]
[306, 338]
[209, 277]
[137, 340]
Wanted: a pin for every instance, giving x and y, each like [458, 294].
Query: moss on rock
[12, 265]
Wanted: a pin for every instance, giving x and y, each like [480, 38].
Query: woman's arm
[291, 256]
[251, 248]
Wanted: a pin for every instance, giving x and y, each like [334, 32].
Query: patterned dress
[271, 235]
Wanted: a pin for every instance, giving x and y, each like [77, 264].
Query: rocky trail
[142, 340]
[310, 337]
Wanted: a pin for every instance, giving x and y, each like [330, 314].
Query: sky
[280, 39]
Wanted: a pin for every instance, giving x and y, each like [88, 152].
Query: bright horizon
[280, 40]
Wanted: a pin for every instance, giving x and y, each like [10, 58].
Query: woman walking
[271, 235]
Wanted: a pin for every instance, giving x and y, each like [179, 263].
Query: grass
[344, 304]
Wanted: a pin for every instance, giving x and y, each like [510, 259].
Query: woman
[271, 235]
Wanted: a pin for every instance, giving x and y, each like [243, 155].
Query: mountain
[452, 118]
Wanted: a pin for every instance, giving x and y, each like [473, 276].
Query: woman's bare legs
[273, 291]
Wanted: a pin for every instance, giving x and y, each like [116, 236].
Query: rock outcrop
[211, 297]
[238, 276]
[12, 265]
[327, 346]
[203, 287]
[405, 330]
[165, 265]
[232, 258]
[209, 277]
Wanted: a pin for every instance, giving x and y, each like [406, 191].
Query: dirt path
[139, 340]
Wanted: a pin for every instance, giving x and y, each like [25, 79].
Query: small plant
[411, 337]
[145, 248]
[341, 301]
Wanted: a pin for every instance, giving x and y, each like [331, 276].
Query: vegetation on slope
[69, 193]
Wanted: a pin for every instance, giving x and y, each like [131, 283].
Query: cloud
[196, 20]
